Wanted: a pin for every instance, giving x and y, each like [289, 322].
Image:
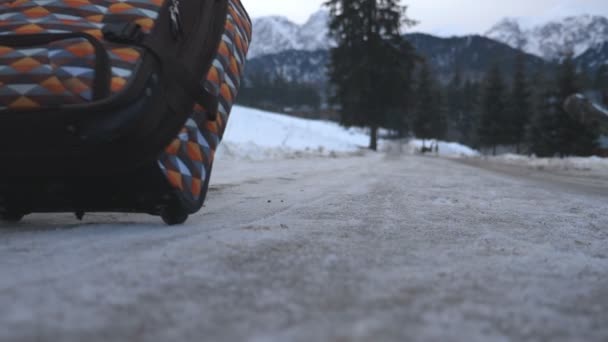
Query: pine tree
[575, 138]
[543, 132]
[277, 93]
[493, 107]
[371, 65]
[470, 118]
[429, 122]
[601, 82]
[519, 107]
[454, 100]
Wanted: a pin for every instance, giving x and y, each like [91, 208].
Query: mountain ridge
[471, 56]
[550, 40]
[275, 34]
[554, 39]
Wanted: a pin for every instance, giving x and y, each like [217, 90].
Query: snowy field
[305, 237]
[257, 135]
[289, 137]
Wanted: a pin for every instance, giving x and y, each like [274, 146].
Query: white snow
[259, 135]
[446, 149]
[270, 33]
[256, 134]
[589, 165]
[550, 40]
[351, 249]
[553, 39]
[274, 34]
[356, 249]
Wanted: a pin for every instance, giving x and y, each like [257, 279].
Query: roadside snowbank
[255, 134]
[446, 149]
[566, 164]
[259, 135]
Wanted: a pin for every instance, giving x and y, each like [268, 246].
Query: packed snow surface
[363, 248]
[372, 247]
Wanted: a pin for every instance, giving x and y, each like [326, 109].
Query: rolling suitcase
[115, 106]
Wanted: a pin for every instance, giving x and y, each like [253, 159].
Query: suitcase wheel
[173, 215]
[11, 216]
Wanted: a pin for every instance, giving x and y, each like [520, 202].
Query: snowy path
[365, 248]
[592, 182]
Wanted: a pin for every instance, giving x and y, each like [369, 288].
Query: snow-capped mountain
[299, 53]
[550, 40]
[313, 34]
[277, 34]
[553, 39]
[472, 56]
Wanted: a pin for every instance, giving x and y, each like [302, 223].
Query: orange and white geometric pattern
[187, 161]
[21, 17]
[59, 73]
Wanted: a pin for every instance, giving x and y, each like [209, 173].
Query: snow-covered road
[370, 248]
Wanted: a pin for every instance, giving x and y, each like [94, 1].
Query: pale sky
[447, 17]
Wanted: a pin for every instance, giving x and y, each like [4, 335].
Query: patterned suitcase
[115, 105]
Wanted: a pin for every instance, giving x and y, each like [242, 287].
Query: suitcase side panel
[187, 161]
[97, 132]
[57, 16]
[47, 75]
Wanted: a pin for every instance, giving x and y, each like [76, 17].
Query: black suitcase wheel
[11, 216]
[173, 215]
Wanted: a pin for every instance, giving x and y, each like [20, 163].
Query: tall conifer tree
[470, 118]
[371, 65]
[519, 106]
[429, 121]
[601, 83]
[493, 111]
[454, 98]
[575, 137]
[543, 133]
